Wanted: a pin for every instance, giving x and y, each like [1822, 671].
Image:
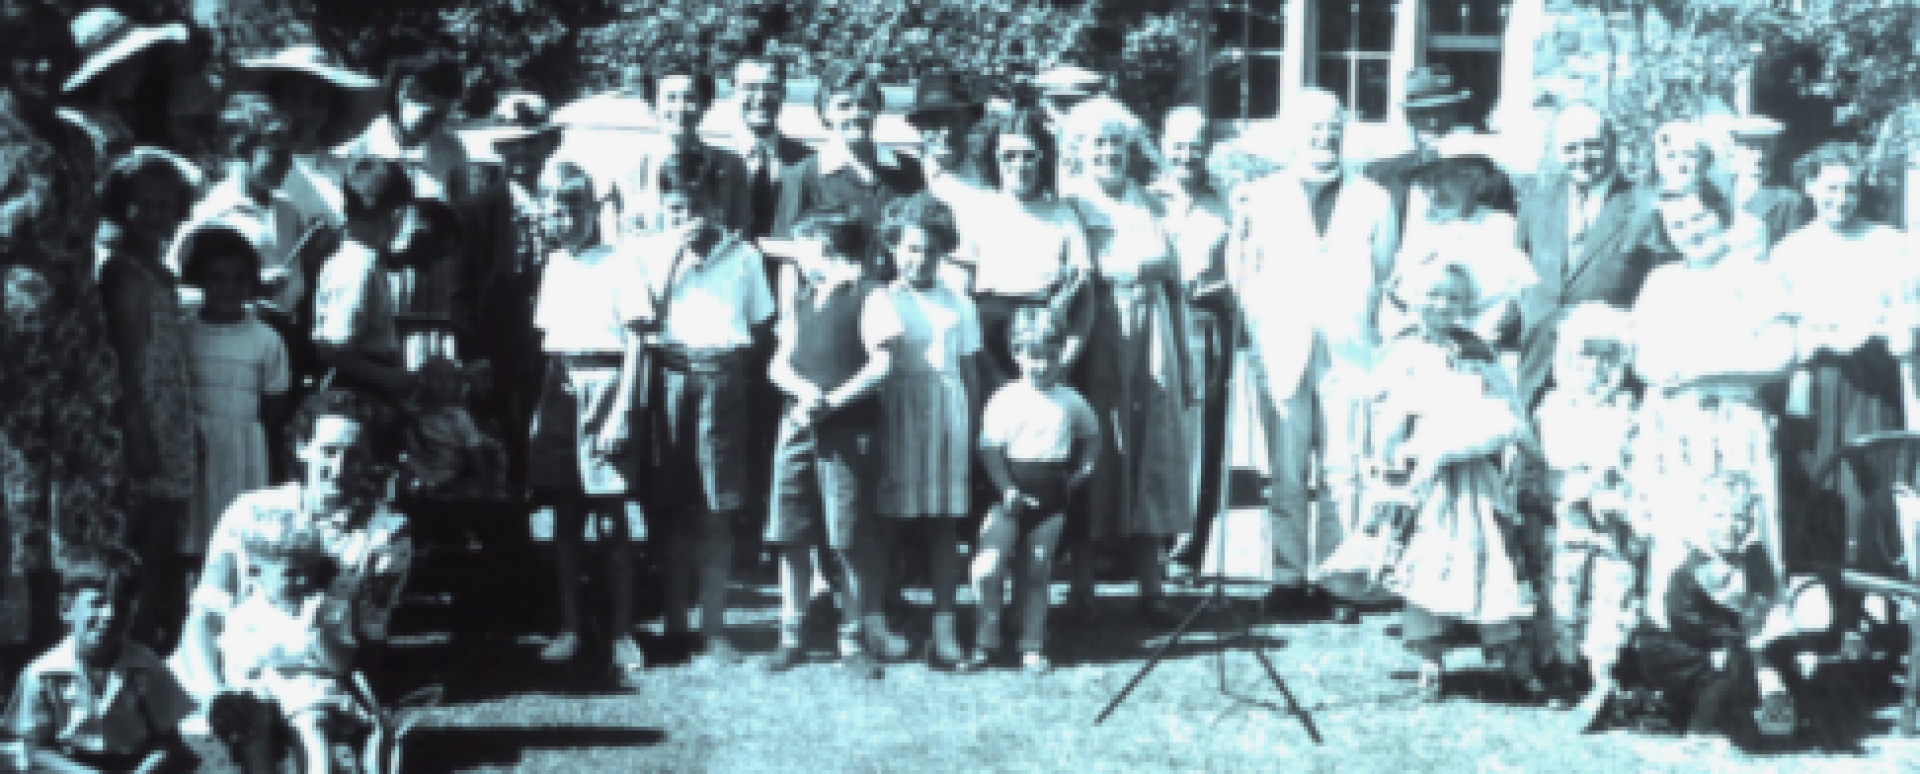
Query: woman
[1034, 256]
[1136, 369]
[1849, 282]
[1683, 152]
[1715, 330]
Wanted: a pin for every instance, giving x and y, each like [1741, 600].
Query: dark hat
[942, 92]
[1431, 86]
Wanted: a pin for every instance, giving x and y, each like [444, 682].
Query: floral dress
[1135, 371]
[59, 445]
[165, 377]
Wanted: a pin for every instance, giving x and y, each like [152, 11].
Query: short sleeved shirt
[588, 302]
[1035, 426]
[353, 304]
[710, 303]
[56, 702]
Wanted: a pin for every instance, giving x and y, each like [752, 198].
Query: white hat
[1754, 127]
[105, 37]
[1069, 80]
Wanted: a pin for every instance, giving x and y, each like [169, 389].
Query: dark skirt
[1848, 396]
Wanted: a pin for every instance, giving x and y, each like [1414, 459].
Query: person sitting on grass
[98, 702]
[290, 643]
[836, 334]
[1039, 441]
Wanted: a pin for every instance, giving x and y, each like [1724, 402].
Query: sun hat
[356, 98]
[520, 116]
[105, 38]
[1431, 86]
[1753, 127]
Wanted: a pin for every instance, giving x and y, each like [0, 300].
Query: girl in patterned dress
[239, 367]
[927, 428]
[144, 197]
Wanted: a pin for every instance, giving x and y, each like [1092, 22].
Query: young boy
[834, 335]
[1040, 441]
[98, 701]
[1586, 424]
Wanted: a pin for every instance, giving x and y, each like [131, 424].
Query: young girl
[1039, 441]
[837, 337]
[1586, 425]
[1442, 414]
[291, 644]
[144, 197]
[239, 369]
[927, 426]
[592, 301]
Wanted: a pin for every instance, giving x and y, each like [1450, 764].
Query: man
[1314, 246]
[760, 89]
[680, 95]
[1433, 112]
[1197, 218]
[943, 114]
[1586, 233]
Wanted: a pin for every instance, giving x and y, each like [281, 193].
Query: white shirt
[353, 306]
[1023, 249]
[305, 201]
[589, 302]
[706, 304]
[1034, 426]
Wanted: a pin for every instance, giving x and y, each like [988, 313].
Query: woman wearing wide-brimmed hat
[123, 90]
[328, 103]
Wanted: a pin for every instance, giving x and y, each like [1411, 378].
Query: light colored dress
[1135, 370]
[235, 365]
[927, 430]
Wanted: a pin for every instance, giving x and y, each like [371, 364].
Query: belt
[1040, 299]
[700, 360]
[589, 359]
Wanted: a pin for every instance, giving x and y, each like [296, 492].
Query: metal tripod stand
[1242, 635]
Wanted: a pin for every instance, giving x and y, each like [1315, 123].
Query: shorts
[593, 380]
[553, 459]
[1042, 481]
[821, 481]
[701, 438]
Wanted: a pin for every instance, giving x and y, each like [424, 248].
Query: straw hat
[144, 157]
[104, 38]
[356, 98]
[1753, 127]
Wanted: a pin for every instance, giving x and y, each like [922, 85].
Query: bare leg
[1036, 573]
[313, 742]
[796, 587]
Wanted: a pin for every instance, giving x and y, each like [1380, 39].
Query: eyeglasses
[1012, 156]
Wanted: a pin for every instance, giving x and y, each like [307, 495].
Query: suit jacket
[787, 154]
[724, 172]
[1611, 265]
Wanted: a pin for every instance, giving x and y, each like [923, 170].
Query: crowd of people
[1569, 432]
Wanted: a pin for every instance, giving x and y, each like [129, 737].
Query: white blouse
[1861, 284]
[1022, 249]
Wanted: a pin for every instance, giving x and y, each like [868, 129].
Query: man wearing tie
[1586, 234]
[760, 88]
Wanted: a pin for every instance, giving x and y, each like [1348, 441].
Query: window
[1355, 54]
[1249, 37]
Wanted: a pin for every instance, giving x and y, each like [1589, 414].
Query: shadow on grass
[452, 749]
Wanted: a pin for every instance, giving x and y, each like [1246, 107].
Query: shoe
[719, 653]
[1429, 690]
[1345, 614]
[629, 661]
[1158, 613]
[861, 664]
[1775, 718]
[888, 646]
[561, 648]
[785, 658]
[945, 656]
[1035, 663]
[977, 659]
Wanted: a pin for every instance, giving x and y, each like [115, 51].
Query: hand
[1719, 660]
[1016, 501]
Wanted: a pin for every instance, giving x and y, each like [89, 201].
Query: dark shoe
[977, 659]
[785, 658]
[862, 665]
[718, 653]
[1345, 614]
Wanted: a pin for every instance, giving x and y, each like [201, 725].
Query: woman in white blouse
[1136, 371]
[1851, 284]
[1027, 250]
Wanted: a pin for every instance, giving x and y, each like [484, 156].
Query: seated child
[1039, 441]
[447, 454]
[289, 643]
[98, 701]
[1724, 643]
[1586, 424]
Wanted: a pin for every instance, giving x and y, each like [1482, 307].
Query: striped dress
[928, 425]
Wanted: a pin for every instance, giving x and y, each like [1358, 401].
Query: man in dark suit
[1586, 232]
[1433, 109]
[760, 89]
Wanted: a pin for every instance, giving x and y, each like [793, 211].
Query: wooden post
[1409, 28]
[1296, 72]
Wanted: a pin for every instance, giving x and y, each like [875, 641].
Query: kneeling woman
[1724, 632]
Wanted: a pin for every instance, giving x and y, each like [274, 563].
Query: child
[447, 454]
[98, 701]
[1586, 423]
[239, 367]
[1443, 413]
[590, 306]
[711, 309]
[836, 337]
[1723, 644]
[290, 643]
[144, 197]
[1039, 441]
[927, 430]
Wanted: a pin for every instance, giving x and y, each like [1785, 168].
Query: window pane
[1365, 25]
[1467, 17]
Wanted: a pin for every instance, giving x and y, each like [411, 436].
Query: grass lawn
[506, 712]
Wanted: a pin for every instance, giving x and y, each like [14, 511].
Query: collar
[835, 157]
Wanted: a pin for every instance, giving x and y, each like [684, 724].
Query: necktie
[764, 200]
